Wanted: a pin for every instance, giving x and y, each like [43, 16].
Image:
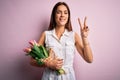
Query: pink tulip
[27, 50]
[33, 42]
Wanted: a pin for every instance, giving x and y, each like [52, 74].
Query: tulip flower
[27, 50]
[33, 42]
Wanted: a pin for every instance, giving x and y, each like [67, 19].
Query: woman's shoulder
[71, 32]
[48, 31]
[74, 34]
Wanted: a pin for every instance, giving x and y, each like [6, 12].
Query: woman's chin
[62, 24]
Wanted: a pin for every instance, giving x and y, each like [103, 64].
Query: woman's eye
[58, 12]
[66, 12]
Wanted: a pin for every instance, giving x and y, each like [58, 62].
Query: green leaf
[35, 47]
[39, 62]
[60, 71]
[39, 55]
[45, 51]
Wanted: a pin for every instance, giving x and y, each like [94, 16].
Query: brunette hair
[52, 24]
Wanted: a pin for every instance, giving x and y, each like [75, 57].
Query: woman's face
[61, 16]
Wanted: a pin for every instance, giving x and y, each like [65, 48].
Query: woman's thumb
[51, 53]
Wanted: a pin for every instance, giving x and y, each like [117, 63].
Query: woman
[61, 41]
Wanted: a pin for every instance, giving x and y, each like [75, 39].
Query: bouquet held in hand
[39, 53]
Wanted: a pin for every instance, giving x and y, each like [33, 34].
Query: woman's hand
[52, 61]
[83, 28]
[85, 50]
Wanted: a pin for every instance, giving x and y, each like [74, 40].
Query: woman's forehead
[62, 8]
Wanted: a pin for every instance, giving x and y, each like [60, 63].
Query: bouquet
[39, 53]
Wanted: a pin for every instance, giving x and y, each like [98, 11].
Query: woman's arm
[42, 39]
[82, 44]
[83, 47]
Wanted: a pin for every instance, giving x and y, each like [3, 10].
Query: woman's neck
[59, 31]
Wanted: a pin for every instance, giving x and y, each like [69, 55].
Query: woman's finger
[60, 61]
[58, 66]
[85, 21]
[87, 28]
[51, 53]
[80, 23]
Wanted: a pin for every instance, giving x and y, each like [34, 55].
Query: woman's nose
[62, 14]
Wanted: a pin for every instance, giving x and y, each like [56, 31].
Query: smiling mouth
[62, 20]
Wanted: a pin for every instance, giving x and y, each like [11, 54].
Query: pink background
[24, 20]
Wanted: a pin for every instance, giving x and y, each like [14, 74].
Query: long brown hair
[52, 24]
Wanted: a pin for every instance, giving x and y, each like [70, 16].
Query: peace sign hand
[84, 28]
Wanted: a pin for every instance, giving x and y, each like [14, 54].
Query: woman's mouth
[62, 20]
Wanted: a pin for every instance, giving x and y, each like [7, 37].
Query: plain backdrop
[25, 20]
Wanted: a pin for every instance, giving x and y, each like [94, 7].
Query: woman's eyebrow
[66, 10]
[61, 10]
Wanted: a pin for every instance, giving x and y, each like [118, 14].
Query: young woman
[62, 41]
